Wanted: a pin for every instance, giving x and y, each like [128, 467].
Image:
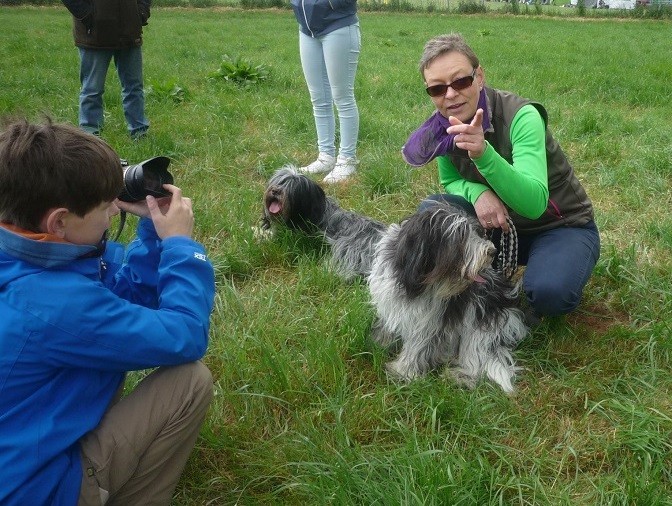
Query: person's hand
[173, 218]
[469, 135]
[140, 208]
[491, 211]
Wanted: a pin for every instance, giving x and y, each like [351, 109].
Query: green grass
[303, 412]
[658, 9]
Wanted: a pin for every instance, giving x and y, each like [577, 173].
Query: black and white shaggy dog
[430, 277]
[300, 203]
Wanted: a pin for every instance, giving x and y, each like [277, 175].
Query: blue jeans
[558, 262]
[329, 66]
[92, 73]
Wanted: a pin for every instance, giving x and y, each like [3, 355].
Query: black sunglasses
[439, 90]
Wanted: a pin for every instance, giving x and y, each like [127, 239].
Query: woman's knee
[548, 298]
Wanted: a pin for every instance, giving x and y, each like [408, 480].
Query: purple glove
[432, 140]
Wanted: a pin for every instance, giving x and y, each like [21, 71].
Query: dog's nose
[491, 250]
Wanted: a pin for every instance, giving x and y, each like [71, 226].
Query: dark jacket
[568, 203]
[108, 24]
[320, 17]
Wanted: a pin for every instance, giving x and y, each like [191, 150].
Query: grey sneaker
[343, 169]
[324, 163]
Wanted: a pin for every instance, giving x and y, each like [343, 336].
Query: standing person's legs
[315, 73]
[92, 72]
[341, 55]
[128, 63]
[137, 453]
[558, 265]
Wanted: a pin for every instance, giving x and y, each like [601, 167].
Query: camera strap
[122, 222]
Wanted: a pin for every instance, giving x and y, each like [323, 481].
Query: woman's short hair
[49, 165]
[452, 42]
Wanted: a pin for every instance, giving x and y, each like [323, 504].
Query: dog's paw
[261, 234]
[398, 372]
[459, 377]
[381, 336]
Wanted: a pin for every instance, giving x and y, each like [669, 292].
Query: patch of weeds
[168, 91]
[262, 4]
[471, 8]
[240, 71]
[513, 7]
[202, 3]
[389, 6]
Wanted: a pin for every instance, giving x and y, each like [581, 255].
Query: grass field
[303, 412]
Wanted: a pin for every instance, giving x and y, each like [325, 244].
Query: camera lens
[146, 178]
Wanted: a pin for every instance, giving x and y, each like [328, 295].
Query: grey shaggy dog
[301, 204]
[430, 278]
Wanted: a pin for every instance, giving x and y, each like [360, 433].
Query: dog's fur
[430, 279]
[300, 203]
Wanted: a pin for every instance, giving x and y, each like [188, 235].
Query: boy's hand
[173, 215]
[140, 208]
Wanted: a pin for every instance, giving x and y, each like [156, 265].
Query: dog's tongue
[274, 208]
[479, 279]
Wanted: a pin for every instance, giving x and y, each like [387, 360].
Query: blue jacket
[71, 324]
[320, 17]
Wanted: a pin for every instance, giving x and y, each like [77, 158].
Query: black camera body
[146, 178]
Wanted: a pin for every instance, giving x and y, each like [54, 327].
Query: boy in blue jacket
[76, 314]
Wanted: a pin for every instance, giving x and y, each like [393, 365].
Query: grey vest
[568, 203]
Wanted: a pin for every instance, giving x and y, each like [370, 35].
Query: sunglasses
[439, 90]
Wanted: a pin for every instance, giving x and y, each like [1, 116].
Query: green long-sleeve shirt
[523, 185]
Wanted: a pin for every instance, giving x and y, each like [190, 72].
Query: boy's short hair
[50, 165]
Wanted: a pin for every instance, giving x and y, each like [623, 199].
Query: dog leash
[507, 259]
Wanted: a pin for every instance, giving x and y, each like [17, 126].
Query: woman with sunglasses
[498, 160]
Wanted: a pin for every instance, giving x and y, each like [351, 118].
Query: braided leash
[507, 259]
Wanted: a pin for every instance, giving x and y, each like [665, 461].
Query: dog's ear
[408, 259]
[307, 206]
[302, 200]
[430, 248]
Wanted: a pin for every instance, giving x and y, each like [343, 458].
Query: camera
[146, 178]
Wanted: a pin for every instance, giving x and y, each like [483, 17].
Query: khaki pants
[137, 453]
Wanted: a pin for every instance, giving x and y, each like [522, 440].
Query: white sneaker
[342, 170]
[324, 163]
